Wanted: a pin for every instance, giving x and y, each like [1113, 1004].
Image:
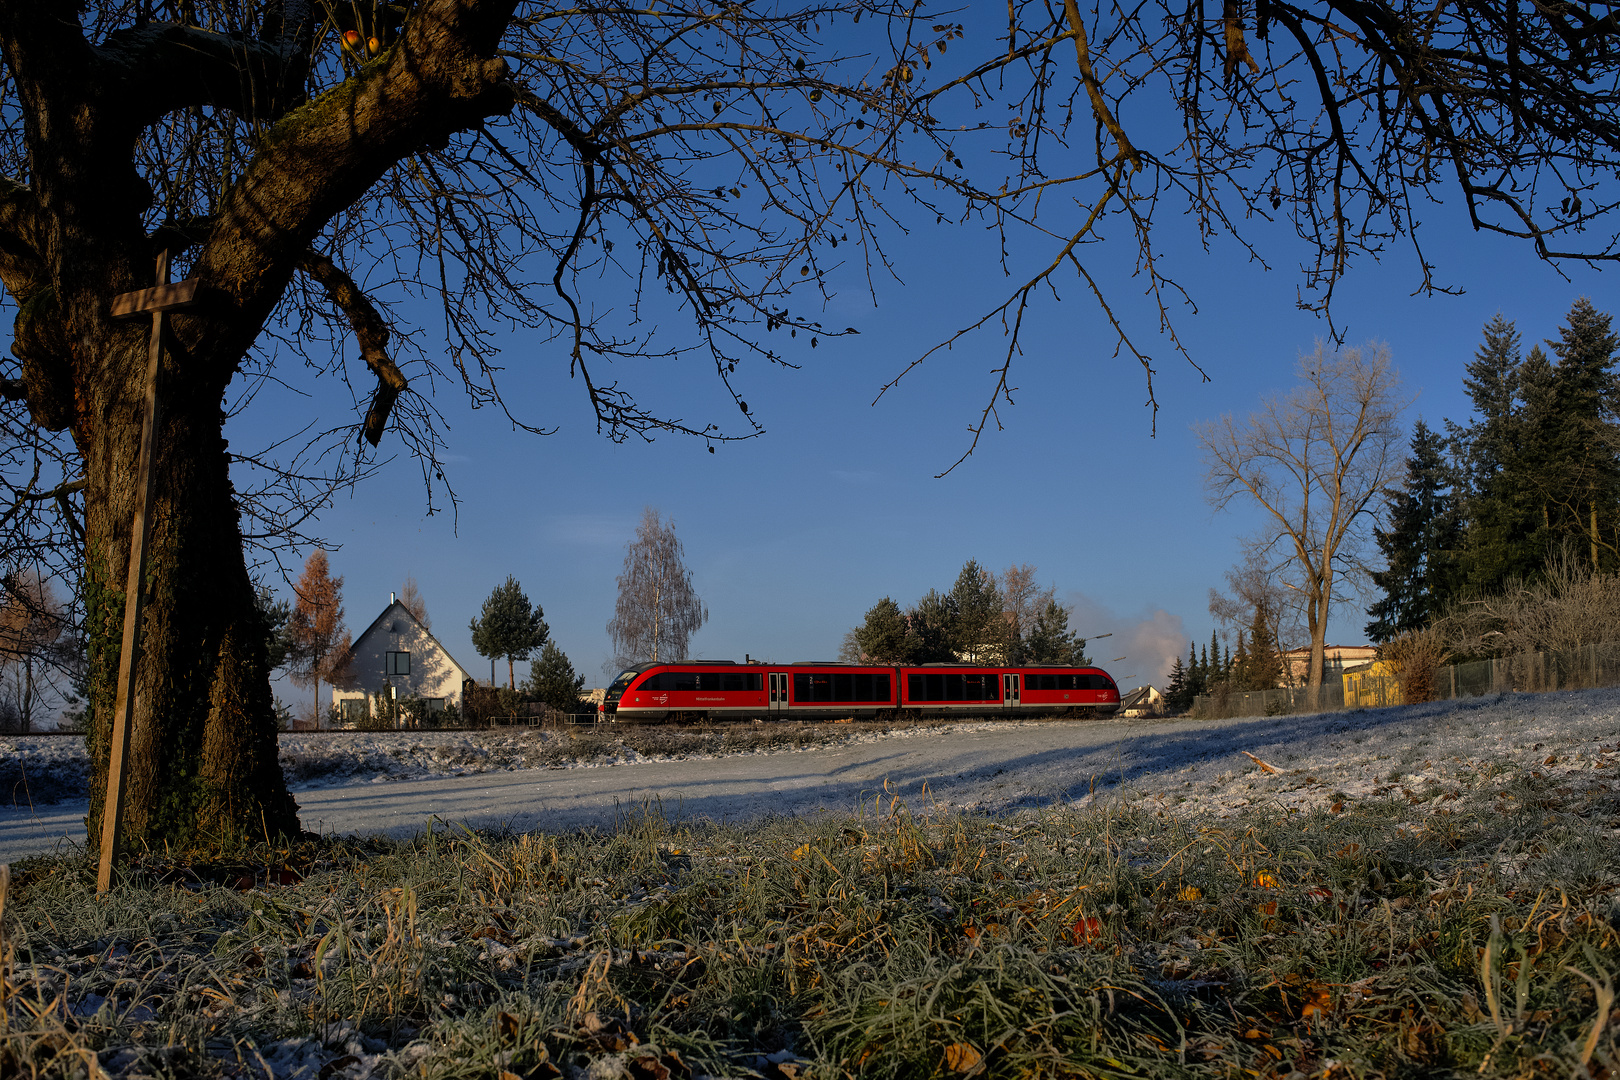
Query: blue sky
[791, 537]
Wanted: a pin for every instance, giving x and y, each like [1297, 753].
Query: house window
[434, 704]
[353, 709]
[398, 663]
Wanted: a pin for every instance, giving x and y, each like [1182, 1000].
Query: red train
[725, 689]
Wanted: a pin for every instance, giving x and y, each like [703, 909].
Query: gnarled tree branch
[369, 330]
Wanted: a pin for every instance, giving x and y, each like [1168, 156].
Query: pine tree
[931, 628]
[1504, 455]
[1239, 673]
[979, 630]
[318, 642]
[1176, 696]
[1051, 642]
[883, 637]
[1583, 483]
[552, 679]
[1264, 660]
[1422, 545]
[508, 626]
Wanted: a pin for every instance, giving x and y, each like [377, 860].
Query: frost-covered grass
[45, 769]
[1391, 938]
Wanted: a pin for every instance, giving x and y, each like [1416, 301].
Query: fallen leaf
[962, 1057]
[1087, 930]
[1263, 766]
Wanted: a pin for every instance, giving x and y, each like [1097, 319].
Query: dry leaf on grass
[1263, 766]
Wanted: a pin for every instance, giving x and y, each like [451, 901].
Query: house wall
[433, 674]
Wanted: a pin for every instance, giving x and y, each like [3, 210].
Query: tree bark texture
[203, 762]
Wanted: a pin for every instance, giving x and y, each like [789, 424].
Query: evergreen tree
[1583, 481]
[1492, 383]
[1050, 640]
[979, 631]
[1501, 452]
[883, 637]
[1176, 696]
[1265, 668]
[508, 626]
[1422, 545]
[931, 625]
[1239, 673]
[552, 679]
[1203, 680]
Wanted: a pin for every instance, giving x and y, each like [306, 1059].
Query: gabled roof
[405, 611]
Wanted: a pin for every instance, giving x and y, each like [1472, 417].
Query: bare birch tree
[1313, 460]
[411, 597]
[658, 611]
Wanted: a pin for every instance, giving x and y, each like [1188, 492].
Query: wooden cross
[156, 301]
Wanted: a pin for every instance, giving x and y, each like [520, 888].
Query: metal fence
[1537, 672]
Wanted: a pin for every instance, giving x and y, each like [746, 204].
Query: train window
[1067, 682]
[843, 687]
[681, 680]
[915, 688]
[936, 688]
[812, 687]
[741, 680]
[880, 689]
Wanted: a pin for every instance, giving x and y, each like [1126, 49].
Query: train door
[779, 692]
[1009, 692]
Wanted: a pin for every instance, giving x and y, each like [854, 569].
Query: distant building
[398, 657]
[1297, 662]
[1369, 686]
[1143, 701]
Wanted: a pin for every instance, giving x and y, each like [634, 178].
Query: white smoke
[1141, 647]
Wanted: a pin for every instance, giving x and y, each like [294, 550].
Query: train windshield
[621, 684]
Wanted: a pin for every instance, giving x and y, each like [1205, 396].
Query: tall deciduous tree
[411, 597]
[1422, 546]
[509, 626]
[1313, 460]
[1258, 596]
[658, 611]
[34, 630]
[318, 640]
[725, 152]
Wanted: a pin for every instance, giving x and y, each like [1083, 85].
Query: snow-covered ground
[394, 782]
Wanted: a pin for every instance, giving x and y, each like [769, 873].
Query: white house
[397, 656]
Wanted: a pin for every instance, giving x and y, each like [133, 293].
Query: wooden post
[156, 302]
